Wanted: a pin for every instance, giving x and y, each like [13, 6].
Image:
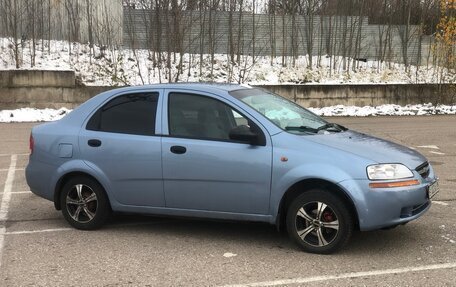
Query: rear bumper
[39, 176]
[385, 207]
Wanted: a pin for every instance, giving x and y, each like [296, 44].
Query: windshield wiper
[329, 126]
[332, 126]
[302, 129]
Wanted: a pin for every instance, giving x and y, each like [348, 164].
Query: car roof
[220, 88]
[79, 114]
[195, 85]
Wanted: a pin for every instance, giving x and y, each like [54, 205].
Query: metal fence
[70, 20]
[268, 35]
[107, 22]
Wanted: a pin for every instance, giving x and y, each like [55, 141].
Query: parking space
[38, 248]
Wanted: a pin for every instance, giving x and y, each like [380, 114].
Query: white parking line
[38, 231]
[21, 192]
[440, 203]
[19, 154]
[437, 152]
[348, 275]
[6, 198]
[7, 189]
[2, 242]
[4, 232]
[5, 169]
[429, 146]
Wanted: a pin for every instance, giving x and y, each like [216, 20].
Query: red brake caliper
[328, 216]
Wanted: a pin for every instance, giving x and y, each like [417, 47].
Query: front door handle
[177, 149]
[94, 143]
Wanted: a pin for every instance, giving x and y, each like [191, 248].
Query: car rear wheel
[84, 203]
[319, 222]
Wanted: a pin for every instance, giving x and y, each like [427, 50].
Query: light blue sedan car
[225, 152]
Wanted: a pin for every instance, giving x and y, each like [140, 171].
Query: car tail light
[31, 144]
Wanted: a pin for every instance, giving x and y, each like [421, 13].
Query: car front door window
[201, 117]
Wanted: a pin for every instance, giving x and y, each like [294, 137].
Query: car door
[120, 141]
[202, 168]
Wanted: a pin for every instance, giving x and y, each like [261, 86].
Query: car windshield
[284, 113]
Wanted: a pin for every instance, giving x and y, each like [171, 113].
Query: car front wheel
[84, 203]
[319, 222]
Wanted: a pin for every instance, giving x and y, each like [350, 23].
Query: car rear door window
[127, 114]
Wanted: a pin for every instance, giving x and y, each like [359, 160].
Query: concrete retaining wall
[42, 89]
[46, 97]
[56, 89]
[32, 78]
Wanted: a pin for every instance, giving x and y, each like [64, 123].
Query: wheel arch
[64, 179]
[308, 184]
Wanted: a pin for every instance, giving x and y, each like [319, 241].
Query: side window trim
[166, 108]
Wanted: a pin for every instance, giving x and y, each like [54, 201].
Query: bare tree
[12, 13]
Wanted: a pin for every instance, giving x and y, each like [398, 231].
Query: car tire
[319, 221]
[84, 203]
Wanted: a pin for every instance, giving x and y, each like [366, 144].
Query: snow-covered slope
[128, 67]
[107, 67]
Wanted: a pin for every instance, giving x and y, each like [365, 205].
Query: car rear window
[127, 114]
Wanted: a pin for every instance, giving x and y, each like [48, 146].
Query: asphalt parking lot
[38, 248]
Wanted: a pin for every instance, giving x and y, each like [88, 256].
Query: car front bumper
[385, 207]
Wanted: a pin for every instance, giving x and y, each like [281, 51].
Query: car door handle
[94, 143]
[177, 149]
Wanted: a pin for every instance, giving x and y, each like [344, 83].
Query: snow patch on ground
[44, 115]
[229, 254]
[32, 115]
[385, 110]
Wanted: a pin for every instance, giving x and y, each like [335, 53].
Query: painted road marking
[436, 152]
[348, 275]
[440, 203]
[429, 146]
[20, 192]
[7, 189]
[5, 169]
[4, 232]
[6, 198]
[2, 242]
[19, 154]
[38, 231]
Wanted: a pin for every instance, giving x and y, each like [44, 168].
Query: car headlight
[388, 171]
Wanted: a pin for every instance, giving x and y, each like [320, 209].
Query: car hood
[375, 149]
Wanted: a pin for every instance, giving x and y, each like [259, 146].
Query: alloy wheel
[81, 203]
[317, 224]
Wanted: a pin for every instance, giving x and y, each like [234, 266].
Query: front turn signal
[402, 183]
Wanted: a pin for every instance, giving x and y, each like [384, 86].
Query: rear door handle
[177, 149]
[94, 143]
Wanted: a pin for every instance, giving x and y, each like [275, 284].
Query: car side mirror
[243, 133]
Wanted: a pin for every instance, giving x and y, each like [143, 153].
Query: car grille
[423, 170]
